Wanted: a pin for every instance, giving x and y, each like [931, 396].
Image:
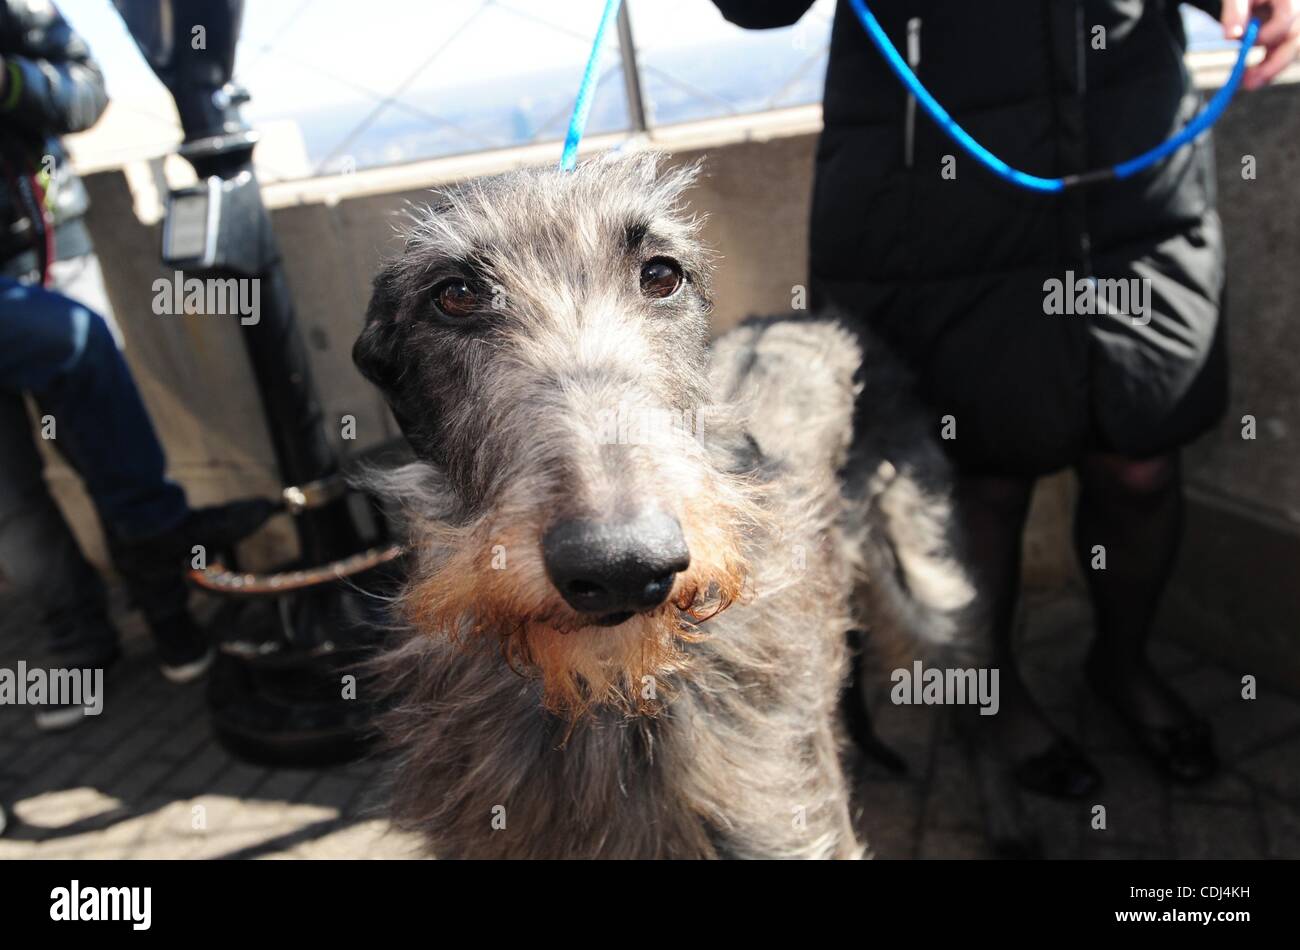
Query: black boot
[162, 595]
[153, 569]
[215, 528]
[1177, 741]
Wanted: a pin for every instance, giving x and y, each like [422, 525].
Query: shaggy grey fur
[741, 755]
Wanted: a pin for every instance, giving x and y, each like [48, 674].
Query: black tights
[1133, 510]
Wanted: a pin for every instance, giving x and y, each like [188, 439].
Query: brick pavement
[146, 778]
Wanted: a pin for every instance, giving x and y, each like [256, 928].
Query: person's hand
[1279, 34]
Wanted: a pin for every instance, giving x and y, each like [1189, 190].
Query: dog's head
[542, 340]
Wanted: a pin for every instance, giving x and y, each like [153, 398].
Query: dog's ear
[378, 349]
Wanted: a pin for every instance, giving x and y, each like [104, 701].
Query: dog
[635, 556]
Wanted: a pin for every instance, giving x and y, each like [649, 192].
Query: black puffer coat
[953, 271]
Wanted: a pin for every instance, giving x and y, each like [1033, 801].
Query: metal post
[631, 72]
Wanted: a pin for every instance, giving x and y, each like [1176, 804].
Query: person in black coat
[970, 279]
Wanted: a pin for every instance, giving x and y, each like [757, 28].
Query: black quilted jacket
[953, 270]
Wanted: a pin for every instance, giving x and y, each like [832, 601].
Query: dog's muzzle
[613, 569]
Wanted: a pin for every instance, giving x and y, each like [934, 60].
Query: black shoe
[1183, 751]
[220, 526]
[153, 571]
[55, 717]
[184, 653]
[1059, 768]
[1060, 771]
[215, 527]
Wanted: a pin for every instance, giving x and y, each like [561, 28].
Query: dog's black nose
[615, 568]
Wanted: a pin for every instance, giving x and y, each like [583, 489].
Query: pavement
[147, 779]
[1250, 810]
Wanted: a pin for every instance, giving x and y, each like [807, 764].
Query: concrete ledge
[1236, 588]
[687, 136]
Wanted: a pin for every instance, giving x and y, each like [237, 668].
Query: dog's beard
[484, 585]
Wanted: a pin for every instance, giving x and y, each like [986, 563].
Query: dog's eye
[660, 277]
[455, 298]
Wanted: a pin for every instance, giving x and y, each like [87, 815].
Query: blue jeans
[64, 355]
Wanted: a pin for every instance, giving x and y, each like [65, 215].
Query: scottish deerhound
[625, 630]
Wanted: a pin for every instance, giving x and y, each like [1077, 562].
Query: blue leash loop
[1204, 119]
[586, 90]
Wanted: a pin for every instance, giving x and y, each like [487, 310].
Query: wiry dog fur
[706, 727]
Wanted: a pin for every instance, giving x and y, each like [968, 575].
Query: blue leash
[1206, 118]
[586, 90]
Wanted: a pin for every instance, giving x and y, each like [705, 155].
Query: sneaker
[55, 717]
[184, 653]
